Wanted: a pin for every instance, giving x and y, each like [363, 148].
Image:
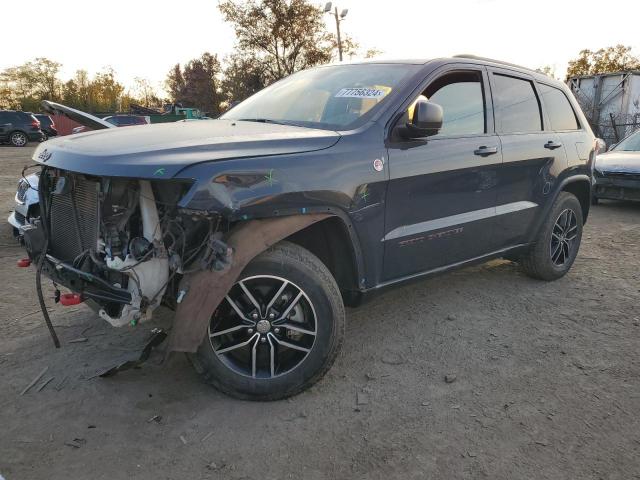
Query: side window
[561, 114]
[4, 117]
[461, 97]
[516, 105]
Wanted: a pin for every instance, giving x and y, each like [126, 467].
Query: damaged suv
[257, 228]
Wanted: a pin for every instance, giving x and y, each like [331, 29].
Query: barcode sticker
[360, 93]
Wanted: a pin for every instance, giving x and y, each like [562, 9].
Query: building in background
[611, 103]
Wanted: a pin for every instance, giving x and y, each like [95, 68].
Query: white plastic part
[149, 279]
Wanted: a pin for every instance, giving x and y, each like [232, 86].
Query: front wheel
[278, 330]
[558, 241]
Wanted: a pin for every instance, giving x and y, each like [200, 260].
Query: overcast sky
[144, 38]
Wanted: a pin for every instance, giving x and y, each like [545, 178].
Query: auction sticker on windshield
[361, 93]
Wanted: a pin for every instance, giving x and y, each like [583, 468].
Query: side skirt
[354, 299]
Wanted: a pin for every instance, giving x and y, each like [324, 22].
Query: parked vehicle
[318, 191]
[617, 172]
[19, 128]
[118, 121]
[46, 125]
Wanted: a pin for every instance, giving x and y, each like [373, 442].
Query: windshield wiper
[269, 120]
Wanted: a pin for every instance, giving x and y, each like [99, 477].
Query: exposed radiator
[69, 238]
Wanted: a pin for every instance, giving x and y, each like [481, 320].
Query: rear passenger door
[562, 119]
[532, 156]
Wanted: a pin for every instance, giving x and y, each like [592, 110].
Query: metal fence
[618, 127]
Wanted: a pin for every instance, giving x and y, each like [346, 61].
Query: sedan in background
[617, 172]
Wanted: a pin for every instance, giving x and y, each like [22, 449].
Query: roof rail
[492, 60]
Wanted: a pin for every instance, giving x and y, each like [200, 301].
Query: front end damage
[121, 244]
[125, 246]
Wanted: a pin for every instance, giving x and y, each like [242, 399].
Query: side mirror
[426, 121]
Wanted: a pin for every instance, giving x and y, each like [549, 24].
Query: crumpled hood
[162, 150]
[618, 161]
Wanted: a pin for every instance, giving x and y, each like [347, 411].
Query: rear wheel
[278, 330]
[558, 241]
[18, 139]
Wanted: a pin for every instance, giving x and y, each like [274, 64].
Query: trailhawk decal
[459, 219]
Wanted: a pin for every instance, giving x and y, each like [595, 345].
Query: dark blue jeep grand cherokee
[316, 192]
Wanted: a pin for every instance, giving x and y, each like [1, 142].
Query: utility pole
[339, 18]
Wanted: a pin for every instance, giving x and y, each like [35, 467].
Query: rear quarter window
[516, 105]
[561, 114]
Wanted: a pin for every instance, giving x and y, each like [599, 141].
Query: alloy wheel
[265, 327]
[563, 236]
[19, 139]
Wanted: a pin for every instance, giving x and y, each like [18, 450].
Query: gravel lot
[545, 382]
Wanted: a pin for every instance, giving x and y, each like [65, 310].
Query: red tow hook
[24, 262]
[68, 299]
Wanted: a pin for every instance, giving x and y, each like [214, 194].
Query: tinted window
[516, 105]
[462, 102]
[4, 117]
[561, 115]
[45, 120]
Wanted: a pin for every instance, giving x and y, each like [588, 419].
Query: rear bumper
[618, 187]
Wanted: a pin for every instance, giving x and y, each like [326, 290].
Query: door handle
[484, 151]
[551, 145]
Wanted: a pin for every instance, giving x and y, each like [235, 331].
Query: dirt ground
[547, 382]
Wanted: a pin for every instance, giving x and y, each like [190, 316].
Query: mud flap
[205, 289]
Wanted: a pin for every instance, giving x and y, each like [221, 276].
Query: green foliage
[197, 84]
[605, 60]
[287, 35]
[25, 85]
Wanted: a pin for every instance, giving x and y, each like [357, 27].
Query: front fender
[205, 289]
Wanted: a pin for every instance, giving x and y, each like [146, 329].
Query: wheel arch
[580, 186]
[335, 243]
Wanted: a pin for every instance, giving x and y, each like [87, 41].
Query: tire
[18, 139]
[256, 360]
[556, 246]
[45, 137]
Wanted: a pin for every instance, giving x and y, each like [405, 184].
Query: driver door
[442, 195]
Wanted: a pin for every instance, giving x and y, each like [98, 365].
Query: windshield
[630, 144]
[336, 97]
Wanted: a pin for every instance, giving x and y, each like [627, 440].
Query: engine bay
[122, 244]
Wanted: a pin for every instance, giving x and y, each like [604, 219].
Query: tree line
[274, 38]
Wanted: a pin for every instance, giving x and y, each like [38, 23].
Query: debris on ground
[45, 383]
[61, 383]
[35, 380]
[450, 378]
[75, 443]
[183, 440]
[157, 337]
[155, 418]
[79, 340]
[206, 437]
